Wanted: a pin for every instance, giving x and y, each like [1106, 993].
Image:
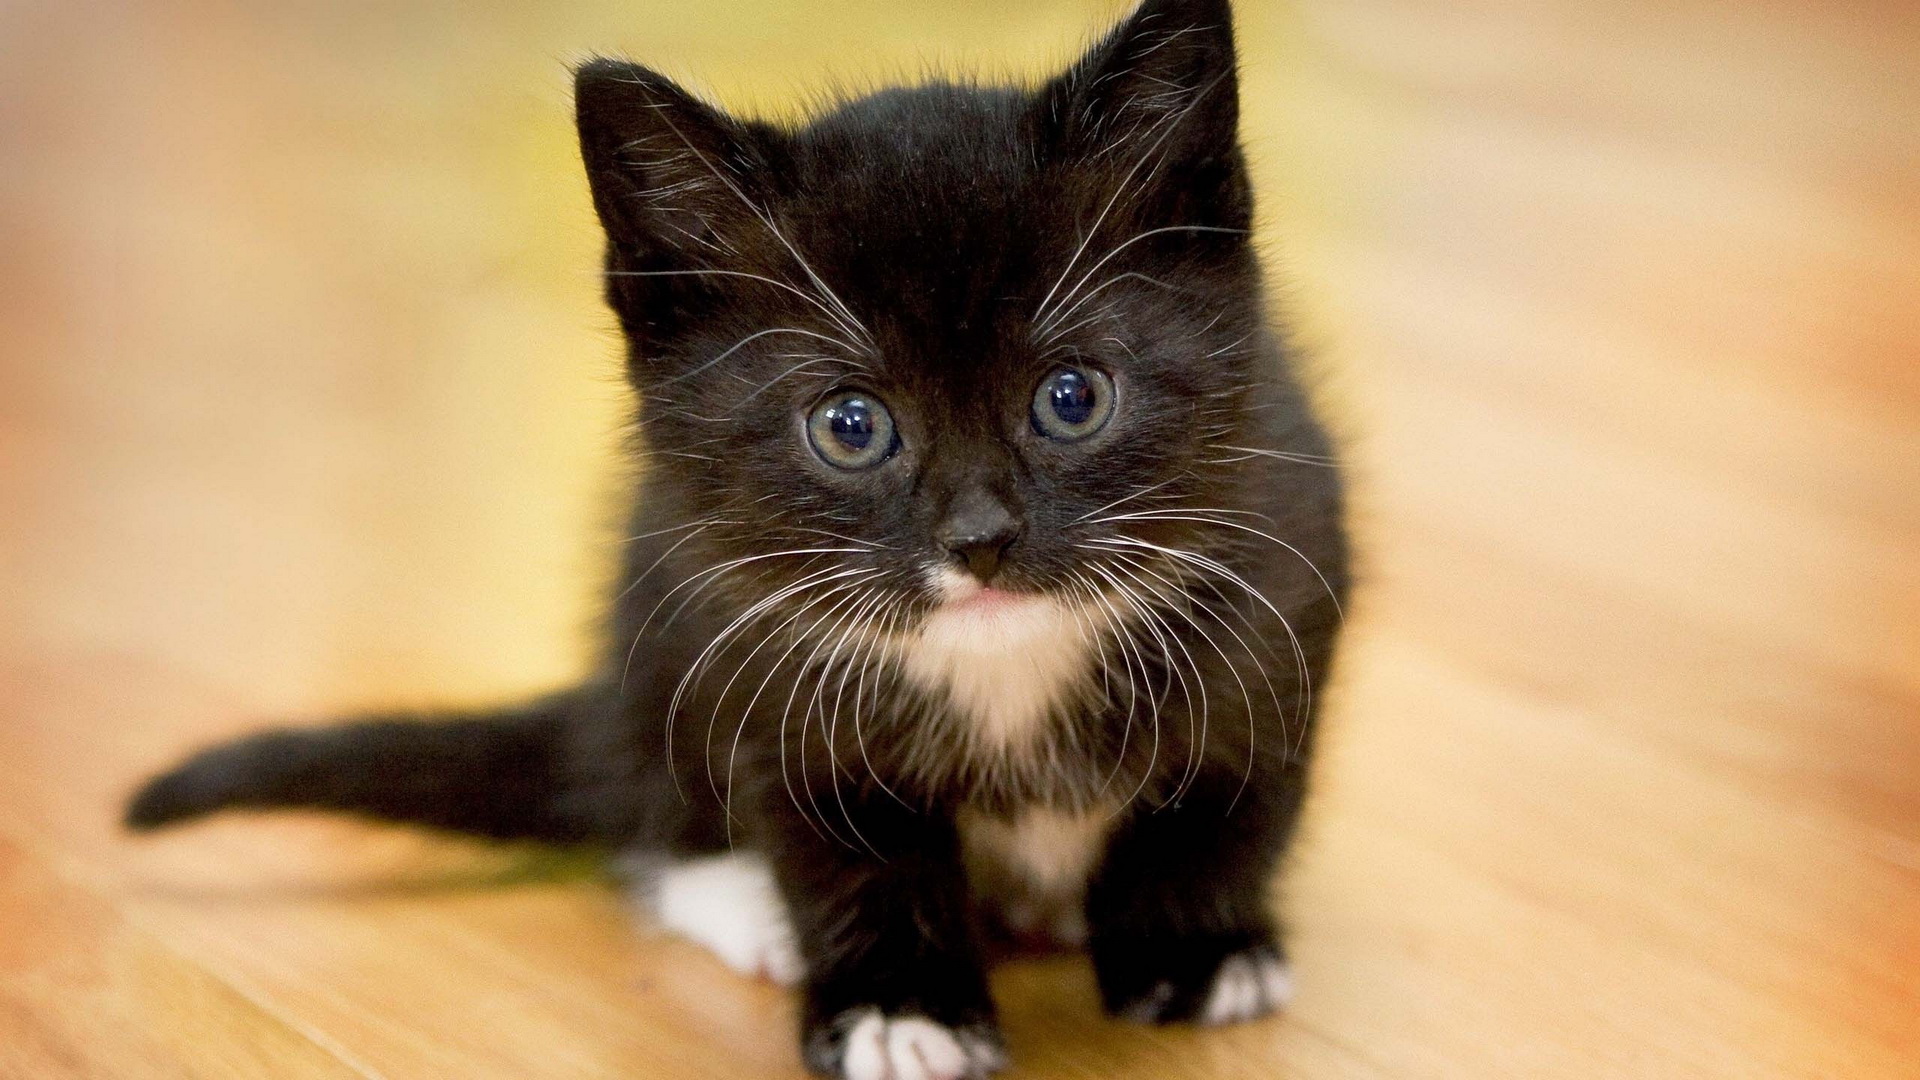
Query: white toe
[915, 1048]
[866, 1057]
[924, 1050]
[984, 1055]
[1247, 986]
[1276, 982]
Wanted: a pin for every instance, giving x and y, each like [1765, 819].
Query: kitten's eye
[1072, 403]
[851, 430]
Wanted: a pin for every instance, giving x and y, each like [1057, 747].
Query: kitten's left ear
[1159, 92]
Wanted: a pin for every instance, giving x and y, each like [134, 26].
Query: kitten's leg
[1182, 926]
[895, 987]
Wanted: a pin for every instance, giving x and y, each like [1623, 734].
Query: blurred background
[308, 402]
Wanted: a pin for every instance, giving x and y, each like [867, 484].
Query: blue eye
[851, 430]
[1072, 403]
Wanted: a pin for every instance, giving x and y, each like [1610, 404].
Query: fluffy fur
[998, 674]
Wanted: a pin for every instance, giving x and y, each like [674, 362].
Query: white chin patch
[729, 904]
[1248, 985]
[1004, 661]
[881, 1047]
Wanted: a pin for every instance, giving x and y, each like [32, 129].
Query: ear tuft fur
[1156, 104]
[669, 173]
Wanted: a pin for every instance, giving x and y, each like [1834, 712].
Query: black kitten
[989, 558]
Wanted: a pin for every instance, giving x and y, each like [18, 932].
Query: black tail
[499, 774]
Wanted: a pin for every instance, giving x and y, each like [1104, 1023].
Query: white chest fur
[1004, 666]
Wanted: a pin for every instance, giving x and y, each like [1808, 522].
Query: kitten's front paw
[728, 903]
[1204, 980]
[867, 1044]
[1249, 984]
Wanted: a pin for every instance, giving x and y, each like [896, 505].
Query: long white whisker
[1120, 189]
[1173, 122]
[871, 662]
[733, 564]
[817, 701]
[1060, 313]
[746, 713]
[794, 370]
[832, 725]
[743, 342]
[1226, 572]
[739, 623]
[1116, 279]
[1168, 600]
[1124, 499]
[655, 563]
[1232, 668]
[786, 713]
[1176, 515]
[672, 529]
[1134, 654]
[1322, 460]
[1126, 662]
[775, 282]
[1164, 633]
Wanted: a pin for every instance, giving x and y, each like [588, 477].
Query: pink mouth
[983, 598]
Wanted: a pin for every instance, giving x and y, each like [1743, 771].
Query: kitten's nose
[979, 535]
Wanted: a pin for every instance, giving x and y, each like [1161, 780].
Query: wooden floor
[306, 403]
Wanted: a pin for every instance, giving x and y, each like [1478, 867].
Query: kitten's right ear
[672, 177]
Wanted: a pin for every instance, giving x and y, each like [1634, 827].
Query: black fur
[942, 248]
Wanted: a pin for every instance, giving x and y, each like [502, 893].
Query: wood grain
[307, 403]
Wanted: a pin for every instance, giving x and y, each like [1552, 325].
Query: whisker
[796, 369]
[1163, 633]
[786, 713]
[735, 563]
[1248, 452]
[1167, 603]
[1124, 499]
[746, 713]
[743, 342]
[1053, 319]
[1173, 122]
[672, 528]
[656, 562]
[740, 622]
[776, 283]
[1175, 515]
[1092, 592]
[1232, 669]
[1227, 573]
[871, 662]
[832, 726]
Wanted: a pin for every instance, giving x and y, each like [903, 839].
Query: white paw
[730, 904]
[1248, 984]
[880, 1047]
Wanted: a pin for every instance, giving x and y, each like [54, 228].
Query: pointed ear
[1160, 92]
[672, 177]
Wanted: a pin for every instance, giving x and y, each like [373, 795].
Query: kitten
[989, 559]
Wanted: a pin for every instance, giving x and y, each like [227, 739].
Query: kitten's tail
[500, 774]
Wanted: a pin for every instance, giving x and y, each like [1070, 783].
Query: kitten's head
[936, 339]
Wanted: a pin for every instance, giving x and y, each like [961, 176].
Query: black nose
[982, 553]
[980, 536]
